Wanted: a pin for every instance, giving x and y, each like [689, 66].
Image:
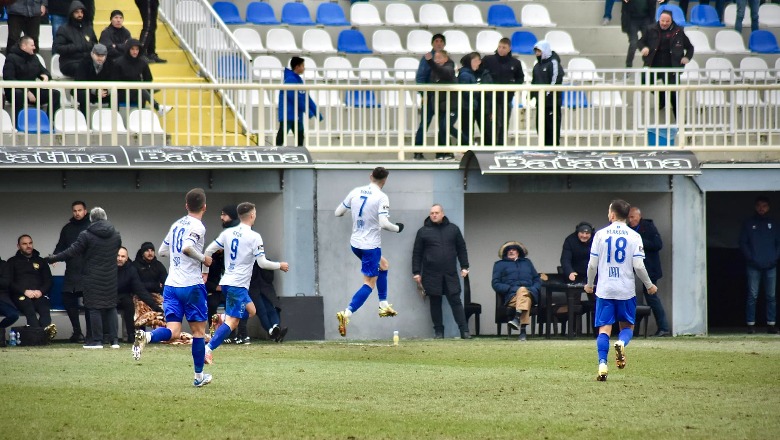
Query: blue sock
[360, 297]
[161, 334]
[222, 332]
[625, 335]
[602, 345]
[381, 285]
[198, 353]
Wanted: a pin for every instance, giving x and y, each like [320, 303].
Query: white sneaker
[164, 109]
[205, 381]
[605, 21]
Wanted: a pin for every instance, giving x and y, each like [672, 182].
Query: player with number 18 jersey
[617, 246]
[184, 271]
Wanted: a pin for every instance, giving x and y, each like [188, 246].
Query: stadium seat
[387, 41]
[3, 35]
[312, 73]
[352, 41]
[338, 68]
[104, 121]
[260, 13]
[374, 69]
[575, 99]
[191, 12]
[502, 16]
[747, 98]
[70, 121]
[562, 42]
[364, 14]
[267, 67]
[317, 41]
[720, 70]
[762, 41]
[231, 67]
[228, 12]
[33, 121]
[418, 41]
[523, 42]
[583, 69]
[406, 68]
[41, 60]
[399, 14]
[457, 42]
[608, 99]
[706, 16]
[56, 73]
[2, 61]
[280, 40]
[487, 41]
[361, 98]
[144, 121]
[535, 16]
[755, 69]
[249, 40]
[700, 42]
[392, 98]
[296, 14]
[45, 37]
[434, 14]
[730, 16]
[770, 15]
[729, 41]
[678, 16]
[210, 39]
[331, 14]
[6, 124]
[467, 15]
[692, 73]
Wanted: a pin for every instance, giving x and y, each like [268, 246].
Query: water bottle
[395, 338]
[12, 341]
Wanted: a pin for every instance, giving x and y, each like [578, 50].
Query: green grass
[725, 387]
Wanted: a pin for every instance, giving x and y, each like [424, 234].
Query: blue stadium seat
[523, 42]
[32, 121]
[361, 98]
[296, 14]
[705, 15]
[231, 67]
[352, 41]
[574, 99]
[763, 42]
[502, 16]
[228, 12]
[331, 14]
[677, 14]
[260, 13]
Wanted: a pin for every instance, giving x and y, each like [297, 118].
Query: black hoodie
[131, 69]
[21, 66]
[28, 273]
[115, 40]
[74, 266]
[74, 40]
[152, 273]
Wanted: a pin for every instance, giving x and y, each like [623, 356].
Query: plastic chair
[607, 99]
[374, 69]
[705, 15]
[103, 121]
[6, 124]
[583, 69]
[405, 68]
[364, 14]
[296, 14]
[762, 41]
[144, 121]
[338, 68]
[458, 42]
[231, 67]
[719, 69]
[260, 13]
[502, 16]
[228, 12]
[755, 69]
[249, 39]
[56, 73]
[770, 15]
[45, 37]
[331, 14]
[700, 42]
[677, 14]
[33, 121]
[399, 14]
[692, 73]
[280, 40]
[730, 17]
[361, 99]
[729, 41]
[523, 42]
[536, 16]
[387, 41]
[267, 67]
[467, 15]
[575, 99]
[562, 42]
[2, 62]
[487, 41]
[418, 41]
[311, 72]
[747, 98]
[434, 14]
[70, 121]
[317, 41]
[3, 35]
[352, 41]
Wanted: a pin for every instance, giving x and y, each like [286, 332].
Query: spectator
[151, 271]
[423, 76]
[263, 294]
[148, 10]
[58, 15]
[504, 69]
[293, 104]
[95, 67]
[22, 65]
[115, 36]
[129, 284]
[548, 70]
[24, 16]
[665, 45]
[472, 108]
[760, 244]
[518, 283]
[29, 282]
[131, 67]
[741, 4]
[652, 244]
[442, 72]
[99, 245]
[7, 309]
[73, 286]
[74, 39]
[635, 17]
[576, 253]
[438, 247]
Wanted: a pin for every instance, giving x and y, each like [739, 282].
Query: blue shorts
[188, 302]
[236, 299]
[610, 310]
[370, 259]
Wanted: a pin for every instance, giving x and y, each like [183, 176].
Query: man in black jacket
[74, 39]
[129, 284]
[442, 72]
[95, 67]
[115, 36]
[651, 241]
[72, 287]
[548, 70]
[29, 282]
[23, 65]
[7, 309]
[437, 246]
[504, 69]
[99, 244]
[575, 254]
[151, 271]
[635, 17]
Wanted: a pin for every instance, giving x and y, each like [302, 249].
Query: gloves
[400, 227]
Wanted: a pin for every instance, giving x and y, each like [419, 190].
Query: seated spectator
[518, 283]
[263, 294]
[576, 253]
[7, 309]
[115, 36]
[442, 72]
[94, 68]
[23, 65]
[29, 282]
[131, 67]
[471, 72]
[150, 270]
[129, 284]
[74, 40]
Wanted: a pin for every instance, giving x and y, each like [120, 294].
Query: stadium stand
[487, 41]
[700, 42]
[434, 14]
[502, 16]
[317, 41]
[387, 42]
[228, 12]
[296, 14]
[729, 41]
[418, 41]
[364, 14]
[374, 69]
[562, 42]
[400, 14]
[352, 41]
[339, 68]
[33, 121]
[523, 42]
[536, 16]
[467, 15]
[281, 40]
[762, 41]
[249, 39]
[331, 14]
[106, 120]
[70, 121]
[261, 13]
[405, 69]
[457, 42]
[705, 16]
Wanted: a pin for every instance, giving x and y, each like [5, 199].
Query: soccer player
[370, 212]
[615, 255]
[184, 294]
[242, 247]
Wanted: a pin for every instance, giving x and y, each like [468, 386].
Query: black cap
[585, 227]
[116, 12]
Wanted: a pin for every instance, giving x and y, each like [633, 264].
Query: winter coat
[131, 69]
[28, 273]
[288, 110]
[474, 99]
[548, 70]
[631, 10]
[21, 66]
[444, 74]
[74, 40]
[152, 274]
[504, 70]
[423, 75]
[575, 257]
[680, 45]
[129, 283]
[651, 242]
[760, 242]
[73, 266]
[99, 244]
[508, 275]
[438, 248]
[85, 71]
[115, 40]
[215, 271]
[26, 8]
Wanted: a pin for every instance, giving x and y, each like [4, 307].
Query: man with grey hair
[99, 245]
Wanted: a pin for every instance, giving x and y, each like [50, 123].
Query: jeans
[769, 278]
[446, 119]
[56, 22]
[608, 8]
[754, 4]
[658, 309]
[10, 314]
[266, 311]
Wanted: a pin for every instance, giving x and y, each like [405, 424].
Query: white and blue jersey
[616, 247]
[368, 204]
[184, 271]
[242, 246]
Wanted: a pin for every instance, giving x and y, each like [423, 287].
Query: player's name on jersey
[660, 162]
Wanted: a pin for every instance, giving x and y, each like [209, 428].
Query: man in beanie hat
[151, 270]
[115, 35]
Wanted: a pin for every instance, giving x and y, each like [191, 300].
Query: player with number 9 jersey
[242, 247]
[184, 271]
[616, 247]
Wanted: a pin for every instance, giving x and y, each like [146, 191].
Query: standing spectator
[128, 284]
[548, 70]
[442, 72]
[263, 294]
[293, 105]
[151, 271]
[504, 69]
[99, 245]
[74, 39]
[29, 282]
[760, 244]
[95, 67]
[438, 247]
[24, 16]
[73, 286]
[635, 17]
[473, 105]
[7, 309]
[115, 36]
[423, 76]
[651, 241]
[58, 15]
[148, 10]
[131, 67]
[576, 253]
[754, 5]
[515, 278]
[665, 45]
[22, 65]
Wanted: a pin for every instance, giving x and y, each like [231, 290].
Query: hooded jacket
[129, 68]
[288, 109]
[73, 266]
[21, 66]
[99, 245]
[74, 39]
[651, 242]
[152, 273]
[26, 8]
[438, 247]
[575, 257]
[116, 41]
[759, 241]
[28, 273]
[679, 45]
[508, 275]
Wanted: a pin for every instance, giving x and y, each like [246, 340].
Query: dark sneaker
[465, 335]
[282, 334]
[515, 324]
[438, 335]
[662, 334]
[154, 58]
[238, 340]
[772, 330]
[419, 156]
[77, 338]
[274, 332]
[751, 329]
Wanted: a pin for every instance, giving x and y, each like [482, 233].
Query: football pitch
[720, 387]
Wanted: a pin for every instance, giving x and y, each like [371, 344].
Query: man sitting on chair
[23, 65]
[518, 283]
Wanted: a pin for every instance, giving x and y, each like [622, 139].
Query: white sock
[347, 313]
[199, 376]
[383, 304]
[148, 336]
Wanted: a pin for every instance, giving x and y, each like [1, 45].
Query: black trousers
[552, 128]
[148, 10]
[83, 102]
[668, 78]
[17, 24]
[284, 127]
[103, 320]
[36, 310]
[634, 28]
[71, 302]
[455, 304]
[498, 120]
[126, 305]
